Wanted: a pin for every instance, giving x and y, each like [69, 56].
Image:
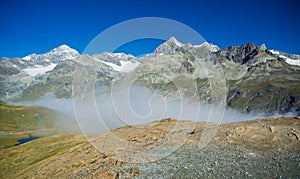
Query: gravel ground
[210, 162]
[214, 162]
[251, 149]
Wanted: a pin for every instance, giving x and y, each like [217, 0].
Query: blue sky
[36, 26]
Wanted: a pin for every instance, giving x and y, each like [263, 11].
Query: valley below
[264, 148]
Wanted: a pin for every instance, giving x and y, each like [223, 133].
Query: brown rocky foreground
[264, 148]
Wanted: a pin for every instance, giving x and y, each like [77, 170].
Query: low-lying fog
[99, 114]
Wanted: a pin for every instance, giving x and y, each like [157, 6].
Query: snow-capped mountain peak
[168, 46]
[57, 54]
[172, 44]
[65, 49]
[173, 40]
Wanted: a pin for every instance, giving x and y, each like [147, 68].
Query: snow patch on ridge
[211, 47]
[293, 62]
[126, 66]
[287, 59]
[39, 70]
[290, 61]
[28, 57]
[274, 52]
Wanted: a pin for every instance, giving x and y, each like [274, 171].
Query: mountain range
[251, 78]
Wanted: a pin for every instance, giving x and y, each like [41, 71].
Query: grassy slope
[17, 122]
[19, 159]
[21, 118]
[271, 94]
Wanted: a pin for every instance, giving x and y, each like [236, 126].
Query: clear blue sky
[37, 26]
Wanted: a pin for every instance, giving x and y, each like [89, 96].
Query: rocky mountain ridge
[252, 78]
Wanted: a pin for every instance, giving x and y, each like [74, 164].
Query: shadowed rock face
[187, 67]
[8, 70]
[240, 54]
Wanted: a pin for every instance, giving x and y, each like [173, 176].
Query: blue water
[22, 141]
